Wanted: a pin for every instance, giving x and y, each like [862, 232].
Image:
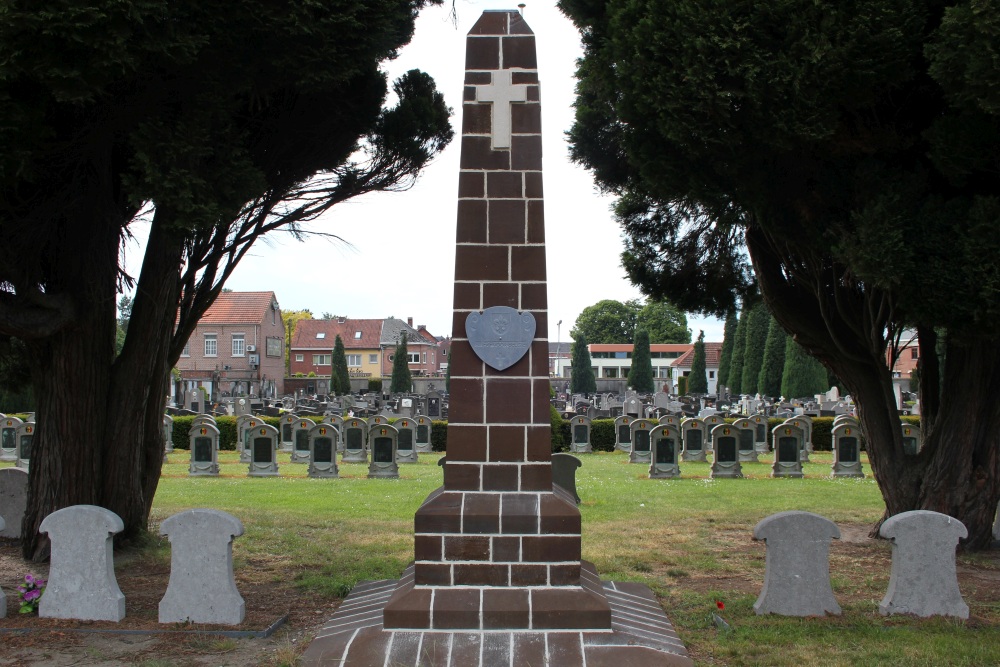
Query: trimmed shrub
[602, 435]
[227, 430]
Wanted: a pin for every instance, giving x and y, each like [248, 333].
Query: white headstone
[202, 588]
[797, 571]
[82, 582]
[923, 581]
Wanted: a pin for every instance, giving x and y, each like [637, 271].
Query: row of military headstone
[15, 440]
[923, 579]
[315, 444]
[665, 442]
[82, 584]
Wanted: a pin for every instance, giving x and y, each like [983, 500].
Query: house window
[300, 357]
[357, 335]
[186, 352]
[425, 357]
[354, 360]
[322, 359]
[914, 353]
[211, 345]
[321, 335]
[413, 357]
[239, 345]
[372, 358]
[711, 375]
[611, 372]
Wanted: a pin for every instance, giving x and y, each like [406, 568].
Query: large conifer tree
[698, 379]
[726, 353]
[803, 375]
[769, 381]
[582, 380]
[340, 373]
[640, 378]
[402, 382]
[753, 348]
[739, 345]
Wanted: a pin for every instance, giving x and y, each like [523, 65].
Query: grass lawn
[689, 539]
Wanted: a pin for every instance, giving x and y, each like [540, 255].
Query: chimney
[409, 322]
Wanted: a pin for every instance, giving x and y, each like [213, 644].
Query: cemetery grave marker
[564, 473]
[8, 438]
[693, 434]
[623, 433]
[640, 440]
[300, 439]
[726, 462]
[382, 440]
[405, 451]
[204, 443]
[711, 421]
[262, 439]
[202, 588]
[911, 439]
[354, 431]
[25, 434]
[665, 439]
[422, 434]
[244, 423]
[846, 446]
[323, 440]
[580, 435]
[746, 432]
[760, 433]
[787, 451]
[923, 581]
[804, 424]
[434, 404]
[288, 421]
[82, 582]
[203, 419]
[168, 434]
[797, 569]
[13, 500]
[336, 421]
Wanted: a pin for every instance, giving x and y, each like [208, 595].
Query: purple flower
[31, 595]
[28, 578]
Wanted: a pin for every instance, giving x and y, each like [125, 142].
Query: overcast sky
[400, 259]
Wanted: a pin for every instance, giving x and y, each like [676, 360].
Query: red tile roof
[306, 330]
[239, 308]
[712, 351]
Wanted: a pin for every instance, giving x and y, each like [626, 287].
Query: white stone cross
[501, 92]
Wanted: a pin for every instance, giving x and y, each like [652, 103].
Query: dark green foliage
[582, 380]
[227, 430]
[439, 436]
[15, 377]
[698, 378]
[739, 345]
[803, 376]
[640, 378]
[753, 348]
[773, 366]
[682, 385]
[602, 435]
[726, 353]
[610, 321]
[375, 385]
[402, 382]
[556, 421]
[664, 322]
[340, 377]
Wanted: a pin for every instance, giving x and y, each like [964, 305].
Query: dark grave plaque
[910, 446]
[848, 450]
[286, 432]
[694, 440]
[262, 450]
[624, 433]
[746, 440]
[405, 439]
[433, 407]
[353, 439]
[8, 438]
[725, 449]
[323, 449]
[641, 443]
[580, 434]
[665, 450]
[302, 440]
[26, 447]
[788, 449]
[761, 433]
[203, 450]
[382, 450]
[423, 433]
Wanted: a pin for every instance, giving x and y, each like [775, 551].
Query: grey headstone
[13, 500]
[202, 588]
[564, 473]
[797, 573]
[82, 582]
[923, 581]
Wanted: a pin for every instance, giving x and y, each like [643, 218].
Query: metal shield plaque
[500, 335]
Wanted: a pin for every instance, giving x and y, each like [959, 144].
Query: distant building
[682, 366]
[236, 349]
[611, 361]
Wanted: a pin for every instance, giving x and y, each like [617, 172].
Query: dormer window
[357, 335]
[321, 335]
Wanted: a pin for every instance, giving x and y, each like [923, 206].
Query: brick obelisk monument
[497, 576]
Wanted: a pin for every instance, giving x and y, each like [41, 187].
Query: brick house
[236, 349]
[682, 365]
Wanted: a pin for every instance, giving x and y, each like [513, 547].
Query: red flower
[719, 604]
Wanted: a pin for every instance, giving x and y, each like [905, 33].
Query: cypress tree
[753, 350]
[772, 369]
[803, 375]
[726, 354]
[641, 375]
[582, 380]
[340, 378]
[698, 379]
[401, 380]
[735, 378]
